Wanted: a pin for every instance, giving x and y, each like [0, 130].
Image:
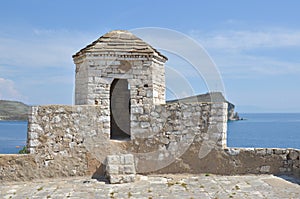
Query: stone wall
[159, 133]
[268, 160]
[94, 76]
[170, 138]
[57, 141]
[162, 133]
[231, 161]
[75, 140]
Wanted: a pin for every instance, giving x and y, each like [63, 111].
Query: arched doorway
[119, 109]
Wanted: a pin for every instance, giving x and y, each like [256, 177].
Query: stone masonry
[120, 168]
[121, 125]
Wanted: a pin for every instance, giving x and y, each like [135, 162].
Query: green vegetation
[40, 189]
[183, 184]
[112, 195]
[12, 110]
[23, 150]
[170, 183]
[129, 194]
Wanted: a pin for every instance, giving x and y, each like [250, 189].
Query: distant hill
[13, 110]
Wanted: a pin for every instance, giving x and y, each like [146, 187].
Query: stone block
[173, 147]
[154, 114]
[187, 114]
[112, 169]
[144, 118]
[232, 151]
[129, 178]
[137, 109]
[31, 150]
[278, 151]
[35, 128]
[261, 151]
[135, 124]
[219, 105]
[113, 159]
[118, 179]
[282, 169]
[129, 169]
[164, 140]
[265, 169]
[33, 143]
[145, 125]
[115, 179]
[155, 129]
[296, 163]
[293, 155]
[269, 151]
[33, 135]
[128, 159]
[120, 171]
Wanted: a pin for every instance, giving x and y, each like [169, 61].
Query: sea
[13, 135]
[256, 130]
[265, 130]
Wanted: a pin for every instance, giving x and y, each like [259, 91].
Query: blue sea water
[13, 135]
[266, 130]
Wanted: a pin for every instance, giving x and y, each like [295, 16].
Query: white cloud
[8, 90]
[241, 65]
[245, 39]
[236, 52]
[42, 48]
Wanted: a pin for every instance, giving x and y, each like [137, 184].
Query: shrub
[23, 150]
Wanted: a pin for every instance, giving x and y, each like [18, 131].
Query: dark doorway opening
[120, 109]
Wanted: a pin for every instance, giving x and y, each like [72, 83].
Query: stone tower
[119, 71]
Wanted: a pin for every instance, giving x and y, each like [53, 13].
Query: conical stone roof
[120, 42]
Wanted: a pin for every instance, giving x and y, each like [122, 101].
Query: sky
[254, 44]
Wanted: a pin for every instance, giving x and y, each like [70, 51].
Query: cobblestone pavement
[164, 186]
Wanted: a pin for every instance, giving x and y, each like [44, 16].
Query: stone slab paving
[163, 186]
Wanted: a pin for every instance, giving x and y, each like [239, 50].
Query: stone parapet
[270, 160]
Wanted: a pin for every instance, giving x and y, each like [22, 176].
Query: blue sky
[255, 45]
